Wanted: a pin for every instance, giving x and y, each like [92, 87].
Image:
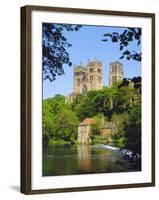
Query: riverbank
[59, 142]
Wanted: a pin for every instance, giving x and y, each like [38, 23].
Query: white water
[108, 147]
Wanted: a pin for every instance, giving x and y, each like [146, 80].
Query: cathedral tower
[95, 75]
[116, 72]
[80, 85]
[89, 77]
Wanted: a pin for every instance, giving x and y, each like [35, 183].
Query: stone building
[84, 131]
[108, 130]
[86, 78]
[116, 72]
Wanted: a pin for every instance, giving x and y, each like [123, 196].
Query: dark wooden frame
[26, 98]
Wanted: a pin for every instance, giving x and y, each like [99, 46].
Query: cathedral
[116, 72]
[90, 77]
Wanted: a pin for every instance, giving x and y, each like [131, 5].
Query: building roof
[86, 122]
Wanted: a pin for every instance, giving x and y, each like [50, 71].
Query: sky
[87, 45]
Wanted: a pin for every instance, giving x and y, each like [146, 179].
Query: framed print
[87, 99]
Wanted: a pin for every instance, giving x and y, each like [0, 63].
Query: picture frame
[29, 117]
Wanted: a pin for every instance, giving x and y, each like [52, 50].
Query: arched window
[84, 89]
[78, 81]
[91, 69]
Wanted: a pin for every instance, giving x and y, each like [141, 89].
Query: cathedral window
[113, 68]
[99, 70]
[84, 89]
[91, 70]
[99, 79]
[78, 81]
[114, 79]
[91, 78]
[84, 77]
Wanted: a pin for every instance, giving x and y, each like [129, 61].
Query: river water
[82, 159]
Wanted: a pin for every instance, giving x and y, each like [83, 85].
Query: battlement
[79, 68]
[95, 62]
[88, 77]
[116, 63]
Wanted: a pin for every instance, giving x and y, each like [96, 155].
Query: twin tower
[90, 77]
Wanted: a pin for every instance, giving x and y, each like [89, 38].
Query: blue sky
[87, 45]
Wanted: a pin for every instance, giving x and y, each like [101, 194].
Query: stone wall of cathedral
[89, 77]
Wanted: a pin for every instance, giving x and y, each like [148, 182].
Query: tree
[97, 124]
[101, 101]
[133, 130]
[120, 120]
[67, 123]
[59, 121]
[124, 99]
[47, 122]
[137, 83]
[127, 81]
[124, 39]
[57, 104]
[55, 46]
[84, 107]
[94, 103]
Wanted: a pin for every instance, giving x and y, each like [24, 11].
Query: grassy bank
[101, 140]
[60, 142]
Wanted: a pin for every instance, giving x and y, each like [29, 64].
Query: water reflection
[84, 157]
[81, 159]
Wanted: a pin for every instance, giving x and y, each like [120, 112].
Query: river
[82, 159]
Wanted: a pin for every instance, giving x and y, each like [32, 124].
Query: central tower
[95, 75]
[89, 77]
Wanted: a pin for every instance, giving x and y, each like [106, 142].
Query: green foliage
[120, 104]
[124, 39]
[133, 130]
[67, 123]
[48, 121]
[106, 101]
[128, 129]
[55, 45]
[120, 142]
[55, 141]
[98, 123]
[120, 121]
[97, 139]
[59, 121]
[94, 103]
[123, 99]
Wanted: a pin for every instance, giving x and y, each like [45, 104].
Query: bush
[100, 140]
